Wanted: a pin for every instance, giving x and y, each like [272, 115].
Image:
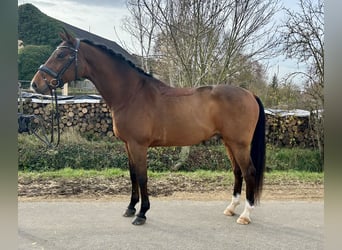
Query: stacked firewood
[95, 119]
[289, 131]
[90, 118]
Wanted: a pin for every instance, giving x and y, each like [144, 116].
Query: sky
[104, 18]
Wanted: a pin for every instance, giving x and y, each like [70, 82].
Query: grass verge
[273, 177]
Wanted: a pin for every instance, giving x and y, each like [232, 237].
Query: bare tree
[303, 40]
[250, 32]
[142, 27]
[204, 42]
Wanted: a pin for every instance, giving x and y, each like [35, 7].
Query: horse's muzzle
[34, 86]
[44, 90]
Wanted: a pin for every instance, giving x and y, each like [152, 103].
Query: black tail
[258, 151]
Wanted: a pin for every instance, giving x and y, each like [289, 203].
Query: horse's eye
[61, 55]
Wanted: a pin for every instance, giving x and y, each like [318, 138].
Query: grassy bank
[274, 177]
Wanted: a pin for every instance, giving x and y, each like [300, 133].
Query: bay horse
[148, 113]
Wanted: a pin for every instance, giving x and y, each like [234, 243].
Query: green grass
[274, 177]
[75, 173]
[294, 175]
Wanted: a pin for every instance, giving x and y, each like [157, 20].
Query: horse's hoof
[243, 221]
[129, 212]
[228, 212]
[139, 221]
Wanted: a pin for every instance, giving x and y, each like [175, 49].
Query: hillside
[37, 28]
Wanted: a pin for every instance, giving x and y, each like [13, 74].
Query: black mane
[118, 56]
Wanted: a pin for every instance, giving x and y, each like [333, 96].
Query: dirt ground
[173, 187]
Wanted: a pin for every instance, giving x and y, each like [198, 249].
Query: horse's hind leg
[243, 160]
[230, 210]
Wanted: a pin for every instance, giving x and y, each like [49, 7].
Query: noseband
[57, 81]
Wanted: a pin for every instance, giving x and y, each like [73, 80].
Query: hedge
[81, 153]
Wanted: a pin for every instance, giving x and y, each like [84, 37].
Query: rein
[26, 124]
[55, 115]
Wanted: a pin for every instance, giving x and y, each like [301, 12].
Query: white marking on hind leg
[230, 210]
[244, 218]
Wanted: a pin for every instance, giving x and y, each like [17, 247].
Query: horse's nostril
[34, 85]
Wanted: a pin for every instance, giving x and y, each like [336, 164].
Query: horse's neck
[118, 82]
[114, 80]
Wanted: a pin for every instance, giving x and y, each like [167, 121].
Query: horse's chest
[116, 131]
[122, 128]
[118, 128]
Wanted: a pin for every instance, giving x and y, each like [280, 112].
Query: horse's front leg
[138, 170]
[145, 203]
[130, 211]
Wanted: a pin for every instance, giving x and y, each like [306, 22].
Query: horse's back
[169, 91]
[231, 93]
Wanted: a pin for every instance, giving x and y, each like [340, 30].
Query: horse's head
[61, 67]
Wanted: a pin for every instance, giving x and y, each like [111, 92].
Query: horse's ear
[66, 36]
[62, 35]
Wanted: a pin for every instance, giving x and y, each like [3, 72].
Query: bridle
[57, 82]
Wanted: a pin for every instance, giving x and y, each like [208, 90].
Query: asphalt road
[177, 224]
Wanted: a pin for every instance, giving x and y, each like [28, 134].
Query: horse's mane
[118, 56]
[163, 88]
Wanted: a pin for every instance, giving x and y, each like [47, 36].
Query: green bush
[77, 152]
[200, 157]
[293, 159]
[29, 59]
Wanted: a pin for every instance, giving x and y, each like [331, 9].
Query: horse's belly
[186, 122]
[183, 135]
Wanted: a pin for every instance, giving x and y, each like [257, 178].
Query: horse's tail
[258, 151]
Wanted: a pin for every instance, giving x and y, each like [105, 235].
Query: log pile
[95, 120]
[289, 131]
[91, 118]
